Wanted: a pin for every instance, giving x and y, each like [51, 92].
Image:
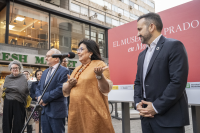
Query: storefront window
[59, 3]
[121, 23]
[126, 13]
[136, 6]
[107, 4]
[126, 2]
[84, 11]
[131, 3]
[101, 17]
[114, 8]
[28, 27]
[121, 11]
[132, 16]
[2, 24]
[66, 33]
[87, 32]
[98, 35]
[108, 20]
[75, 7]
[115, 22]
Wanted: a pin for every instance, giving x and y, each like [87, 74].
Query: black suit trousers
[149, 125]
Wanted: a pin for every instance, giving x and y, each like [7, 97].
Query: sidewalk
[136, 125]
[117, 124]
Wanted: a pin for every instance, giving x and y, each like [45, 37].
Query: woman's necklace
[82, 68]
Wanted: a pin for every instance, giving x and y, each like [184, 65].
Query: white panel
[125, 93]
[121, 95]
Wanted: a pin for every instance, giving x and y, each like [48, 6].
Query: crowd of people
[80, 97]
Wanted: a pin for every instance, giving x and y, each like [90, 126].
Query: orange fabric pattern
[88, 109]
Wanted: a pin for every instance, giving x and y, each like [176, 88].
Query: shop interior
[28, 27]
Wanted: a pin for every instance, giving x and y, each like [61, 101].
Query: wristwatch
[98, 77]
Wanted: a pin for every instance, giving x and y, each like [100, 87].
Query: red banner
[181, 23]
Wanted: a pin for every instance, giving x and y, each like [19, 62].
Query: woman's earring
[90, 56]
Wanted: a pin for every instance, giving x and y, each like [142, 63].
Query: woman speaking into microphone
[88, 88]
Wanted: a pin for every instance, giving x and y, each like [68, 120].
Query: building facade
[29, 28]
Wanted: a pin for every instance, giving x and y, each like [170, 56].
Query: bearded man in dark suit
[161, 78]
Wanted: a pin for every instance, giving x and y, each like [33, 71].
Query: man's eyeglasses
[14, 68]
[47, 56]
[80, 49]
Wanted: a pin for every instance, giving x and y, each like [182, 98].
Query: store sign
[31, 59]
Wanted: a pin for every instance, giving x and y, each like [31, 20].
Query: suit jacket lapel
[45, 75]
[142, 63]
[156, 52]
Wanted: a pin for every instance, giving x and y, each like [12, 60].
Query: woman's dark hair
[93, 47]
[37, 72]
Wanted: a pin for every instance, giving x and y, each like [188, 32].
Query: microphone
[69, 55]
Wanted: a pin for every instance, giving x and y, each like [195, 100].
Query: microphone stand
[37, 104]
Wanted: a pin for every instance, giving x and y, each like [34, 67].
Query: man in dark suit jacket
[162, 72]
[53, 102]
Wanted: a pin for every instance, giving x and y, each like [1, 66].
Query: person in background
[36, 114]
[28, 110]
[53, 102]
[88, 87]
[15, 95]
[27, 75]
[65, 63]
[1, 104]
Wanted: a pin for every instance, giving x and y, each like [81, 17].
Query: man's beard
[145, 39]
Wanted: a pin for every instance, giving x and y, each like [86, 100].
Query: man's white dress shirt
[147, 60]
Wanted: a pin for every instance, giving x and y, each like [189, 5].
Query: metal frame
[49, 35]
[89, 31]
[125, 116]
[195, 118]
[116, 113]
[106, 41]
[7, 21]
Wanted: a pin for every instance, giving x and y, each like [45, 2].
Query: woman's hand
[72, 81]
[99, 70]
[68, 86]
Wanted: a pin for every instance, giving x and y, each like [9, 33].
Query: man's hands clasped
[41, 102]
[148, 111]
